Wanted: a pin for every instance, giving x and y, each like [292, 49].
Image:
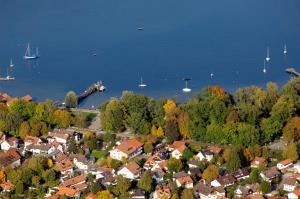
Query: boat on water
[268, 59]
[264, 68]
[7, 78]
[285, 50]
[142, 84]
[11, 65]
[29, 56]
[140, 29]
[186, 89]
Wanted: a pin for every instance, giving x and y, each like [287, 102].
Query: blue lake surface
[179, 39]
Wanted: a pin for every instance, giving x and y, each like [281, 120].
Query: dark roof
[241, 173]
[180, 174]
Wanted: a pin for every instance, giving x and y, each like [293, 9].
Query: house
[79, 161]
[161, 191]
[296, 167]
[249, 189]
[7, 186]
[74, 181]
[289, 184]
[223, 181]
[65, 167]
[131, 171]
[68, 192]
[11, 158]
[31, 140]
[127, 149]
[205, 155]
[195, 172]
[270, 174]
[138, 194]
[2, 137]
[204, 191]
[284, 164]
[158, 175]
[295, 194]
[192, 163]
[258, 162]
[215, 149]
[101, 172]
[58, 137]
[241, 174]
[179, 175]
[177, 149]
[185, 181]
[40, 149]
[10, 143]
[153, 161]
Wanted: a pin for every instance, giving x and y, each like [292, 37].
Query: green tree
[290, 152]
[62, 118]
[122, 186]
[234, 161]
[19, 188]
[24, 130]
[112, 117]
[211, 173]
[72, 146]
[174, 165]
[148, 147]
[270, 129]
[71, 99]
[291, 132]
[187, 194]
[265, 187]
[187, 154]
[145, 182]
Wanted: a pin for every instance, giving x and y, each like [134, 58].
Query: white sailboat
[212, 75]
[29, 56]
[285, 50]
[11, 65]
[264, 68]
[268, 59]
[7, 78]
[186, 89]
[142, 84]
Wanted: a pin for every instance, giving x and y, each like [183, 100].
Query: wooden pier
[98, 86]
[292, 71]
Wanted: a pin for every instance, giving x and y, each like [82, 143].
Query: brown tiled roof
[63, 166]
[41, 147]
[105, 169]
[80, 186]
[129, 146]
[177, 144]
[59, 135]
[66, 191]
[260, 160]
[79, 157]
[133, 167]
[7, 186]
[73, 181]
[181, 149]
[61, 157]
[185, 180]
[286, 162]
[215, 149]
[6, 158]
[271, 172]
[135, 143]
[290, 181]
[297, 192]
[1, 134]
[90, 196]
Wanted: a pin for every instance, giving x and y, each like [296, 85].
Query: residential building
[131, 171]
[127, 149]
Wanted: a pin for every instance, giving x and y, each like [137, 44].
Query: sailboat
[186, 89]
[285, 50]
[11, 65]
[268, 55]
[7, 78]
[264, 69]
[28, 56]
[142, 85]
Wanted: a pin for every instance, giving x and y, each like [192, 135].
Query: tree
[19, 188]
[122, 186]
[148, 147]
[13, 175]
[104, 195]
[108, 137]
[183, 121]
[153, 130]
[24, 130]
[62, 118]
[160, 132]
[234, 161]
[187, 194]
[174, 165]
[71, 99]
[72, 146]
[36, 180]
[112, 118]
[187, 154]
[2, 176]
[80, 120]
[49, 163]
[269, 129]
[211, 173]
[290, 152]
[265, 187]
[254, 176]
[145, 182]
[291, 132]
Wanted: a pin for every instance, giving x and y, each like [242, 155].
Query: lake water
[179, 39]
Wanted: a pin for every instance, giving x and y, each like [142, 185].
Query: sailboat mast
[268, 53]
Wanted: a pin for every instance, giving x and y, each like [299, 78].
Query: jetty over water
[98, 86]
[292, 71]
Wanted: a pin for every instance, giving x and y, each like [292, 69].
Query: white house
[289, 184]
[127, 149]
[58, 137]
[31, 140]
[205, 155]
[185, 181]
[223, 181]
[80, 161]
[177, 149]
[296, 167]
[284, 164]
[40, 149]
[10, 143]
[131, 171]
[295, 194]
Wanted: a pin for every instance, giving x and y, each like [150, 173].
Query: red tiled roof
[177, 144]
[286, 162]
[66, 191]
[6, 158]
[133, 167]
[297, 192]
[133, 142]
[7, 186]
[215, 149]
[129, 146]
[73, 181]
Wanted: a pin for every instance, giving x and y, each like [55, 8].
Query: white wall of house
[289, 188]
[127, 174]
[292, 196]
[176, 154]
[117, 154]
